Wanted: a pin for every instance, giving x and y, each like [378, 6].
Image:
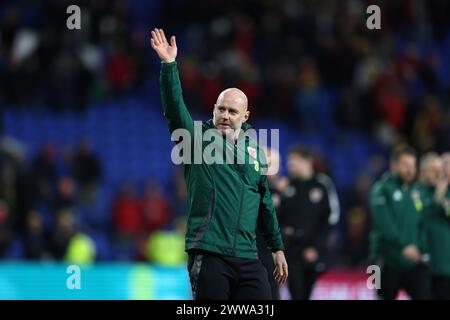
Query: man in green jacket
[228, 194]
[435, 176]
[396, 242]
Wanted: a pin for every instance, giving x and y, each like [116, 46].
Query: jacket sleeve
[330, 214]
[267, 218]
[433, 212]
[174, 108]
[382, 219]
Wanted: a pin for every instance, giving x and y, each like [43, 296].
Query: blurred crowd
[50, 210]
[43, 64]
[306, 61]
[312, 64]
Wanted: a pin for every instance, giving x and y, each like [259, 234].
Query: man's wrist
[168, 68]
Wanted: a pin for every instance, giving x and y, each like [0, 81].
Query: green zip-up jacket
[396, 217]
[436, 227]
[225, 201]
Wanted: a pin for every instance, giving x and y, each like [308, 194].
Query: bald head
[446, 157]
[230, 110]
[233, 96]
[430, 168]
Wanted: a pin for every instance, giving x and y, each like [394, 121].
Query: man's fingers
[276, 275]
[155, 38]
[155, 33]
[286, 272]
[278, 278]
[159, 34]
[163, 36]
[152, 42]
[281, 273]
[281, 269]
[173, 41]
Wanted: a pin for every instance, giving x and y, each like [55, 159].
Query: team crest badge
[398, 195]
[251, 152]
[415, 195]
[315, 195]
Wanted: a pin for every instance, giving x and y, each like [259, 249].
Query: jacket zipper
[239, 220]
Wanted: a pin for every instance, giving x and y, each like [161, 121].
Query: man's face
[433, 171]
[299, 166]
[405, 167]
[230, 111]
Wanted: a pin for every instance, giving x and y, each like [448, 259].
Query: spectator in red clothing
[392, 101]
[119, 71]
[126, 211]
[191, 78]
[244, 35]
[66, 194]
[155, 208]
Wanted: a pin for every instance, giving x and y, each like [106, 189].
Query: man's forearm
[174, 108]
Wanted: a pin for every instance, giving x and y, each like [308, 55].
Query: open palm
[166, 52]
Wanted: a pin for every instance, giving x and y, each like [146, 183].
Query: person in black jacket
[276, 186]
[309, 209]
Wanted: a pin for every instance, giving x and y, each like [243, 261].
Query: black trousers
[267, 261]
[440, 287]
[302, 275]
[217, 277]
[415, 281]
[301, 280]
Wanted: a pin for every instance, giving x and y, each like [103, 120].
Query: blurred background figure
[435, 179]
[6, 233]
[36, 241]
[397, 244]
[166, 247]
[308, 211]
[127, 219]
[155, 208]
[87, 171]
[276, 186]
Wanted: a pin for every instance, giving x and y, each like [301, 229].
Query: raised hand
[166, 52]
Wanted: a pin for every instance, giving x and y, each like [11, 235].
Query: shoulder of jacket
[383, 182]
[324, 180]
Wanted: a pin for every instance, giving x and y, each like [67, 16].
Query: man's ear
[246, 115]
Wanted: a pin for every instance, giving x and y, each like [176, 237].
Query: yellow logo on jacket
[417, 201]
[256, 163]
